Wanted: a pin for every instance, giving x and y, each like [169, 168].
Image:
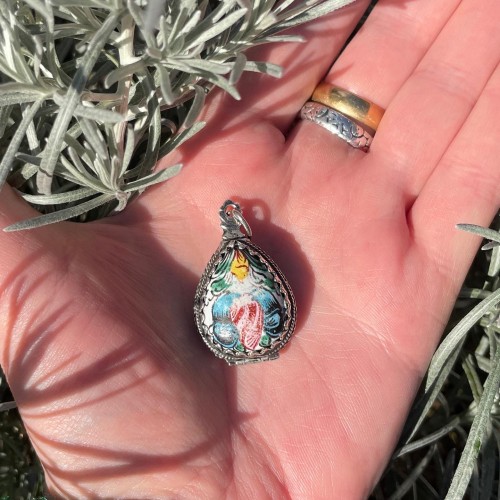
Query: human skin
[118, 393]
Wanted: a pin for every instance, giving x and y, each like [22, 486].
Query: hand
[119, 394]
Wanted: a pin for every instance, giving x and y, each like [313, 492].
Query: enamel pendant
[244, 307]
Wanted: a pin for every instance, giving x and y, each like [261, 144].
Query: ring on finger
[338, 124]
[362, 111]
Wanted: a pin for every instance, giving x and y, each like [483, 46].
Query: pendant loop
[232, 221]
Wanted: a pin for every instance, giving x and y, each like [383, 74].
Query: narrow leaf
[40, 7]
[423, 405]
[129, 150]
[281, 39]
[221, 82]
[15, 143]
[490, 245]
[24, 88]
[18, 93]
[216, 29]
[165, 84]
[154, 128]
[477, 433]
[196, 106]
[5, 112]
[473, 378]
[494, 267]
[61, 123]
[282, 6]
[124, 72]
[188, 65]
[442, 363]
[154, 9]
[94, 138]
[265, 67]
[152, 179]
[61, 215]
[137, 14]
[98, 114]
[429, 439]
[309, 13]
[458, 333]
[56, 199]
[180, 138]
[413, 476]
[8, 405]
[485, 232]
[104, 4]
[488, 464]
[238, 68]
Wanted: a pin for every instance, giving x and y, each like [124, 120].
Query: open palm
[119, 394]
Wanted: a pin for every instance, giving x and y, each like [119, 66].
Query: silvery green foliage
[94, 92]
[477, 470]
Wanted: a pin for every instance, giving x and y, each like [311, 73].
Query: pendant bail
[232, 221]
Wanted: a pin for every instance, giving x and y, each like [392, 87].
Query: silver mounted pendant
[244, 307]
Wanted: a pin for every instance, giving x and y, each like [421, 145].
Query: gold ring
[364, 112]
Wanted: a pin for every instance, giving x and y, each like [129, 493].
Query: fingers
[264, 98]
[389, 46]
[462, 188]
[379, 60]
[432, 106]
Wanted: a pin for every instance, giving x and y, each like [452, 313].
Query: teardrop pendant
[244, 307]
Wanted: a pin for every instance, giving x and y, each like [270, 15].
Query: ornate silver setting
[337, 123]
[244, 307]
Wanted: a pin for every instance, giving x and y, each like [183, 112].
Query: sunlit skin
[119, 394]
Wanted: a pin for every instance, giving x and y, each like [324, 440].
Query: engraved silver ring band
[338, 124]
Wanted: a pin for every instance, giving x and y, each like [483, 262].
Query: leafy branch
[93, 93]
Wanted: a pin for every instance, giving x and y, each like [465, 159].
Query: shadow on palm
[116, 374]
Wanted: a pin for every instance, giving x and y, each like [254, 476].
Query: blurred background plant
[450, 447]
[21, 476]
[94, 92]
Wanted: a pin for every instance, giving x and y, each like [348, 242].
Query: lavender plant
[458, 409]
[93, 93]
